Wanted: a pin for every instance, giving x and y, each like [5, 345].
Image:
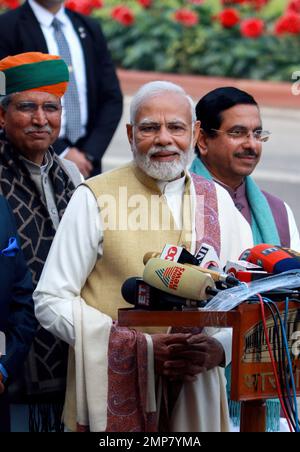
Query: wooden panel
[137, 317]
[252, 372]
[252, 375]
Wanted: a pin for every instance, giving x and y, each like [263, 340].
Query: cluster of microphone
[175, 278]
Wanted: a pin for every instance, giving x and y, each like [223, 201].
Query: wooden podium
[252, 379]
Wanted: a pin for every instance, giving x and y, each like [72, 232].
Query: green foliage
[155, 41]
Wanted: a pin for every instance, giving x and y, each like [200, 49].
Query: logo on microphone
[268, 251]
[171, 253]
[170, 276]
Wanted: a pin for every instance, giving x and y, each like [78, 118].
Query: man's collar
[157, 186]
[172, 187]
[34, 168]
[238, 191]
[44, 16]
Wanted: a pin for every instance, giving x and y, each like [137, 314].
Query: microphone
[182, 257]
[291, 252]
[177, 279]
[173, 253]
[135, 291]
[245, 271]
[273, 259]
[207, 257]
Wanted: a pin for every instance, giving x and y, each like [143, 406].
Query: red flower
[289, 23]
[145, 3]
[11, 4]
[252, 28]
[294, 6]
[97, 3]
[123, 15]
[83, 6]
[186, 17]
[196, 2]
[229, 17]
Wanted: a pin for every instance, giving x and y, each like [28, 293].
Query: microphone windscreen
[273, 259]
[177, 279]
[128, 290]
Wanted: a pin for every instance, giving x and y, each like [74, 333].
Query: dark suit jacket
[17, 318]
[20, 32]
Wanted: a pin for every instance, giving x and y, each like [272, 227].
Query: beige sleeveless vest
[136, 220]
[131, 195]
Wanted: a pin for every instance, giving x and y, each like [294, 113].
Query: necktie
[71, 98]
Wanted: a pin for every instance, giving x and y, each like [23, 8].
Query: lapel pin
[82, 32]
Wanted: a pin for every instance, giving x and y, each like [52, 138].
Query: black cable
[285, 385]
[279, 356]
[286, 368]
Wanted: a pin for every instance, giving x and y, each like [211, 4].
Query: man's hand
[166, 347]
[1, 387]
[204, 351]
[83, 164]
[201, 353]
[184, 356]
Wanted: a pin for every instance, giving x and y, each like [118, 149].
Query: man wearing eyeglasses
[228, 149]
[124, 214]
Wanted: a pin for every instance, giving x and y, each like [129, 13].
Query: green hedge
[155, 41]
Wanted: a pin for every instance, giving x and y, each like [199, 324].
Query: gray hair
[153, 89]
[5, 101]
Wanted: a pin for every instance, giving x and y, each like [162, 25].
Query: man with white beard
[122, 379]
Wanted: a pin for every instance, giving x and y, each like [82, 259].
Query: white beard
[164, 171]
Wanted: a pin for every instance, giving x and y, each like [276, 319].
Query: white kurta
[74, 252]
[294, 232]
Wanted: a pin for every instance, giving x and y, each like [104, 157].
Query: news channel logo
[2, 343]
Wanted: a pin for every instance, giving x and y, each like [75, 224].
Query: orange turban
[33, 71]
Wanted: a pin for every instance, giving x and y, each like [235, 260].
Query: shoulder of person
[16, 13]
[10, 15]
[271, 197]
[72, 171]
[9, 20]
[90, 22]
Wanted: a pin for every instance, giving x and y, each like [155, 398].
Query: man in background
[228, 149]
[92, 106]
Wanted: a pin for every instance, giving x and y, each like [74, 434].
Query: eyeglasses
[32, 107]
[242, 134]
[175, 129]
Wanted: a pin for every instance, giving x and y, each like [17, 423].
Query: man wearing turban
[38, 186]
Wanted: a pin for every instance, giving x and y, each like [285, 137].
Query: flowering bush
[258, 39]
[11, 4]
